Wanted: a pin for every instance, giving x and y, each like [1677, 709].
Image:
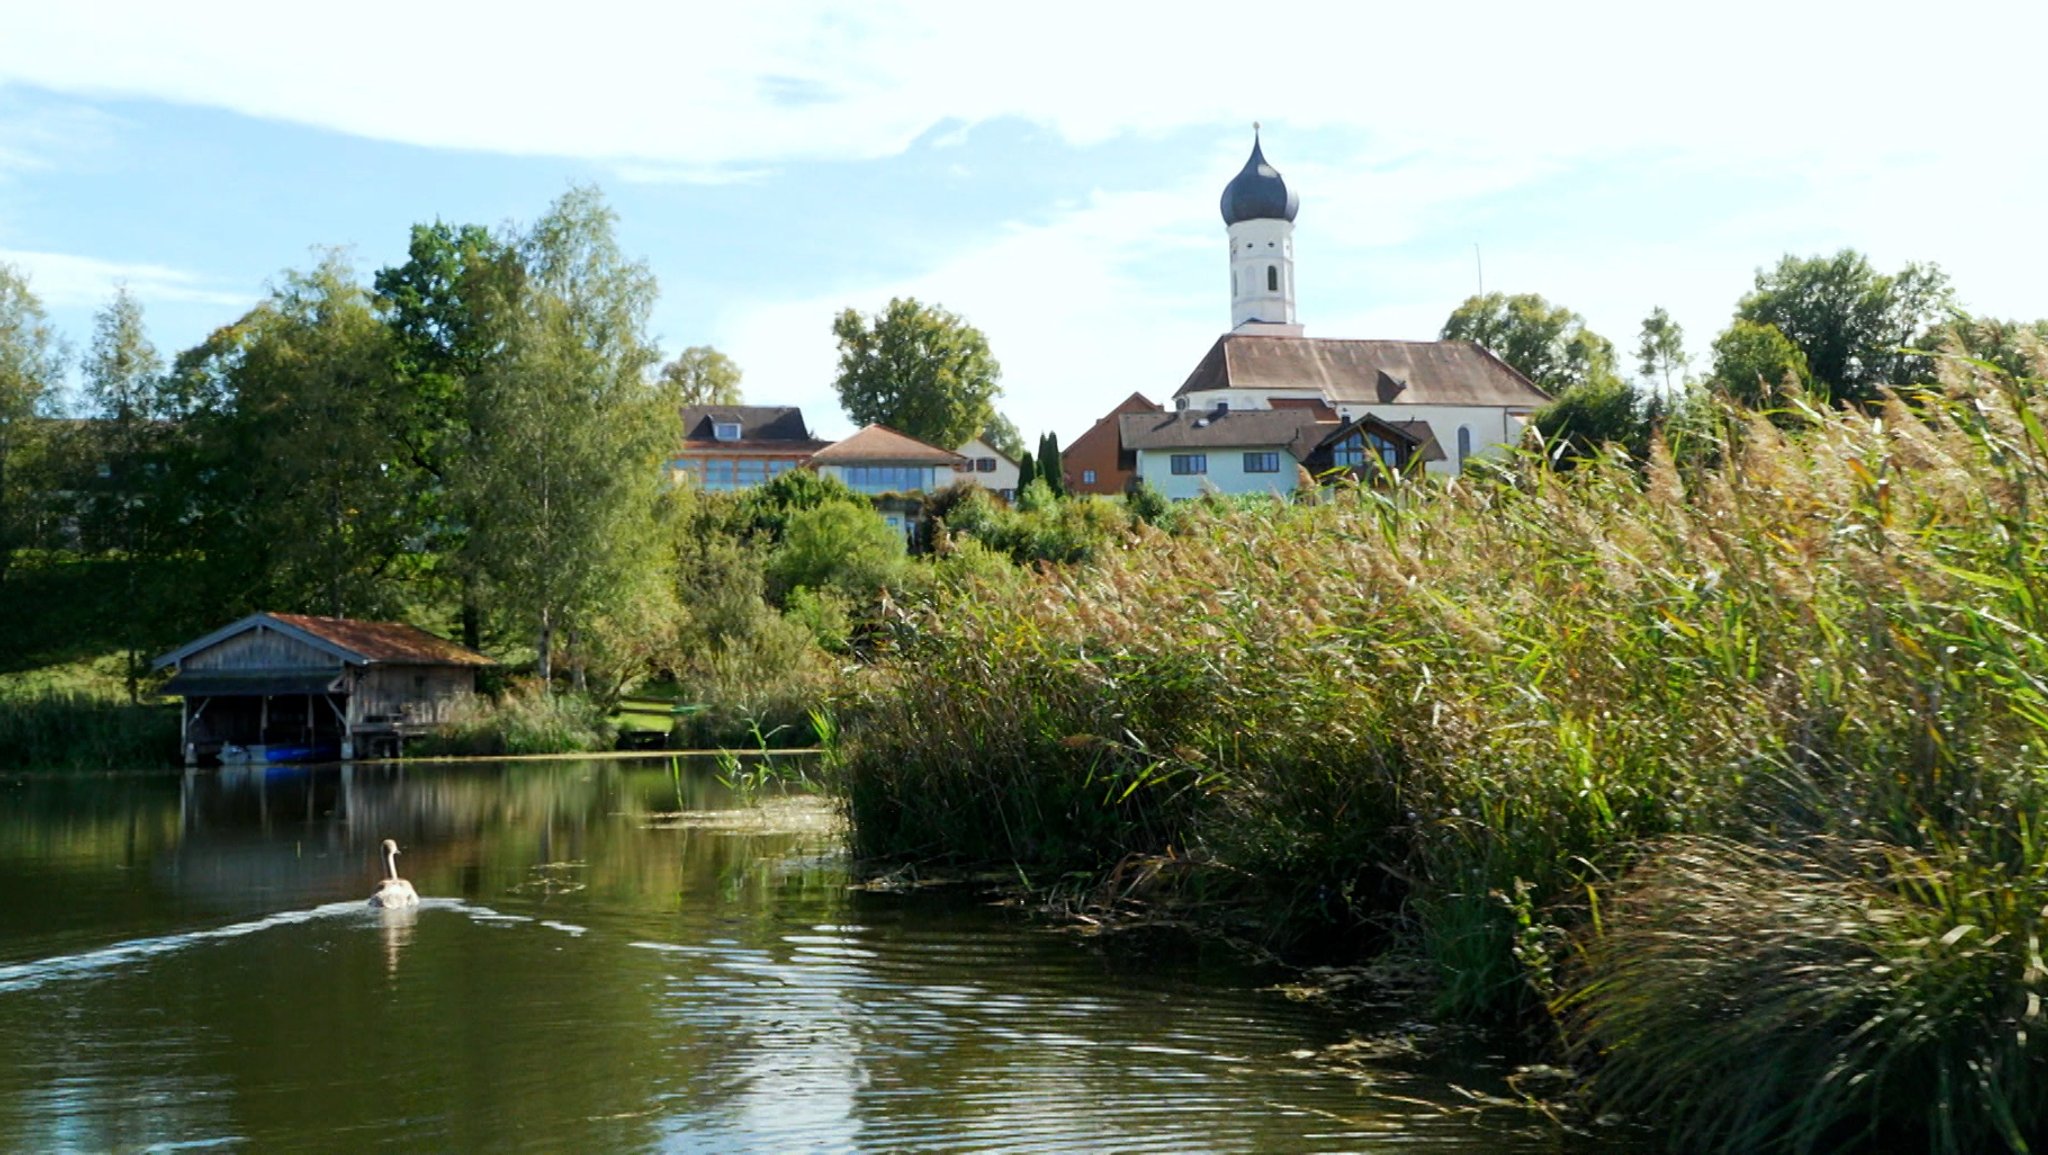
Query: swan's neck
[391, 866]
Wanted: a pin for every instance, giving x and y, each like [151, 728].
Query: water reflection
[194, 963]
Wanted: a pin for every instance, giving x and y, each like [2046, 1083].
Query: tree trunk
[577, 679]
[545, 657]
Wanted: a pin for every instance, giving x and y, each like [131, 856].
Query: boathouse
[286, 687]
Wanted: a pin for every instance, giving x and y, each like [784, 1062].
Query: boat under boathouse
[287, 687]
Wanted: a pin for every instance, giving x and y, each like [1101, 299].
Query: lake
[612, 957]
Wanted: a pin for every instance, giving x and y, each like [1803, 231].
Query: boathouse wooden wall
[411, 695]
[261, 649]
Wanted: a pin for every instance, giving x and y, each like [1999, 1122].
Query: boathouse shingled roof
[881, 445]
[1365, 372]
[353, 642]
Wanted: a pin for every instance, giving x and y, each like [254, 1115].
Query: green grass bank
[1724, 773]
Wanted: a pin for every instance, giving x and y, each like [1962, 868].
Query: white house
[988, 467]
[1439, 403]
[894, 468]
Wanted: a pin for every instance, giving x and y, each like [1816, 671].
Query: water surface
[187, 963]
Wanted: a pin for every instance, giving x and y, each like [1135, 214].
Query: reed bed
[1482, 720]
[79, 730]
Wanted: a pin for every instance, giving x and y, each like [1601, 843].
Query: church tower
[1259, 209]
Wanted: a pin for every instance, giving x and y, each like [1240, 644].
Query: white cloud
[67, 280]
[1074, 328]
[743, 84]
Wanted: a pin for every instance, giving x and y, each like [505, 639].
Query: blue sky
[1050, 173]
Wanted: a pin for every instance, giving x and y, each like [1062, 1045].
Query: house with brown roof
[289, 687]
[741, 446]
[986, 466]
[895, 469]
[1185, 454]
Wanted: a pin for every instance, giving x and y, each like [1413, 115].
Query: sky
[1048, 172]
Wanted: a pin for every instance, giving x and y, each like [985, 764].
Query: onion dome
[1258, 193]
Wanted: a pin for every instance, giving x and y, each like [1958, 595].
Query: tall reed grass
[1449, 716]
[522, 721]
[76, 730]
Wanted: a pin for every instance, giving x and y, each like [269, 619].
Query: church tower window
[1272, 278]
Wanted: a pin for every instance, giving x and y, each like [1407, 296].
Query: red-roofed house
[287, 687]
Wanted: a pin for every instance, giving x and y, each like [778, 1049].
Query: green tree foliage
[701, 375]
[130, 514]
[1852, 323]
[1548, 343]
[1001, 434]
[310, 512]
[762, 512]
[1758, 366]
[919, 370]
[570, 433]
[31, 370]
[842, 546]
[1027, 471]
[1050, 470]
[1661, 350]
[1591, 417]
[449, 307]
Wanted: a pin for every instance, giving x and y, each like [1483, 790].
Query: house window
[1272, 278]
[726, 430]
[1087, 477]
[1464, 443]
[964, 467]
[984, 465]
[1349, 453]
[1187, 463]
[1262, 462]
[887, 478]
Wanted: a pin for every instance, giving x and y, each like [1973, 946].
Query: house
[1433, 403]
[988, 467]
[740, 446]
[1185, 454]
[286, 687]
[1094, 463]
[895, 469]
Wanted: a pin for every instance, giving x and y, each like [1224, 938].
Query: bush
[524, 721]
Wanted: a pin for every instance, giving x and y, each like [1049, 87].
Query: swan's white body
[393, 891]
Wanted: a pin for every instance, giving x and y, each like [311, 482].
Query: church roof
[881, 445]
[1365, 372]
[1258, 193]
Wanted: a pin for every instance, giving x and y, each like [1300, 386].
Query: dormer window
[726, 430]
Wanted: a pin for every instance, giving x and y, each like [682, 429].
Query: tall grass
[76, 730]
[522, 721]
[1448, 716]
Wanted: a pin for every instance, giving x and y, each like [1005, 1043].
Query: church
[1267, 400]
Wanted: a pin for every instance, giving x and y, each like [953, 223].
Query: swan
[393, 891]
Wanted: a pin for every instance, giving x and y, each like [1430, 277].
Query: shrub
[524, 721]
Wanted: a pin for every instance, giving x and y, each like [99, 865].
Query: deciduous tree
[701, 375]
[1548, 343]
[919, 370]
[1852, 323]
[31, 371]
[570, 433]
[1759, 366]
[1661, 349]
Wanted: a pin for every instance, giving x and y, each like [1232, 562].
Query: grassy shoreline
[1725, 776]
